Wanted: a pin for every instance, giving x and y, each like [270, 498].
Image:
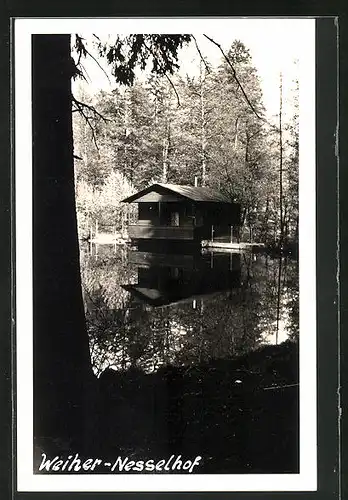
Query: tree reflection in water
[195, 355]
[205, 313]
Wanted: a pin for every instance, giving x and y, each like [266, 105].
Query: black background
[329, 361]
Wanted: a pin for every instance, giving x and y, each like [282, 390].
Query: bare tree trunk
[285, 224]
[265, 219]
[247, 186]
[281, 163]
[156, 110]
[203, 125]
[165, 159]
[236, 135]
[126, 132]
[165, 153]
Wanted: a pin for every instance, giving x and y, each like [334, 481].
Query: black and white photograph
[165, 252]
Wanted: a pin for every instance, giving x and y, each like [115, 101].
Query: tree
[198, 123]
[238, 153]
[63, 380]
[62, 373]
[291, 215]
[283, 153]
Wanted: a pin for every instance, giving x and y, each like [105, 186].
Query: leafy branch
[82, 51]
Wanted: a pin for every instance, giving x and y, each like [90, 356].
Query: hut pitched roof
[188, 192]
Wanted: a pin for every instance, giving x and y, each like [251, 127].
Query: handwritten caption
[73, 463]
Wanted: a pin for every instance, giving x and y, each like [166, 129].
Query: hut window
[174, 219]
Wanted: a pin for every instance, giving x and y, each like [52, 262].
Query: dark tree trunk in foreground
[62, 369]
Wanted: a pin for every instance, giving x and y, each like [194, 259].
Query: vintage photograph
[166, 266]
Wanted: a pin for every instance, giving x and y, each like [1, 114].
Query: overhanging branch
[201, 55]
[235, 76]
[83, 105]
[165, 73]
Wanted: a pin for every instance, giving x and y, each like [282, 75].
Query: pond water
[145, 310]
[194, 354]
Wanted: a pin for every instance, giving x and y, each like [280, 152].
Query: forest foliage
[183, 130]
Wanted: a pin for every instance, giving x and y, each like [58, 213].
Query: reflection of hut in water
[164, 279]
[185, 214]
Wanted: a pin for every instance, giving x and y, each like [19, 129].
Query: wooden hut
[183, 214]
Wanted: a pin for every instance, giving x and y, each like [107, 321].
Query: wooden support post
[231, 239]
[90, 240]
[193, 207]
[212, 232]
